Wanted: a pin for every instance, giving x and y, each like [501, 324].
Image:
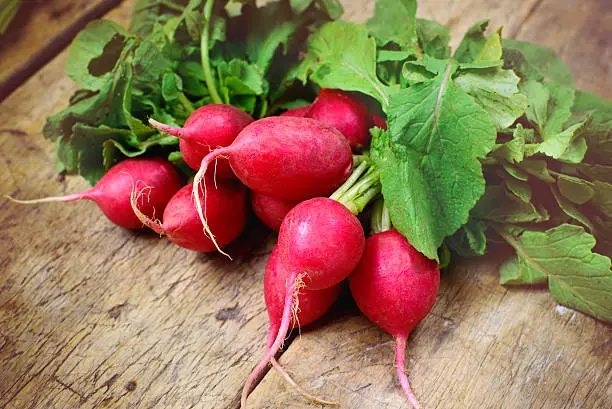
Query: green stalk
[362, 192]
[208, 75]
[355, 174]
[186, 103]
[381, 220]
[362, 186]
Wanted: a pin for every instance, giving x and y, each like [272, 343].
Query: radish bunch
[305, 183]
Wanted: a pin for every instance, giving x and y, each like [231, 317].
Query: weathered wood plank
[92, 315]
[483, 346]
[40, 30]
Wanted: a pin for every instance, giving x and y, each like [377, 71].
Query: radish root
[197, 180]
[301, 391]
[400, 354]
[280, 337]
[152, 223]
[289, 379]
[88, 194]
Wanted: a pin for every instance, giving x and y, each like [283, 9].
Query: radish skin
[298, 112]
[320, 242]
[207, 128]
[113, 191]
[395, 287]
[379, 122]
[284, 157]
[226, 209]
[271, 210]
[344, 112]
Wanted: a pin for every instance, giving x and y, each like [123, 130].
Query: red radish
[285, 157]
[345, 113]
[379, 122]
[113, 191]
[299, 111]
[320, 242]
[395, 287]
[270, 210]
[206, 129]
[226, 210]
[310, 306]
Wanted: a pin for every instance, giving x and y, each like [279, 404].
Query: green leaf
[571, 210]
[95, 52]
[536, 62]
[265, 39]
[391, 55]
[150, 63]
[513, 151]
[333, 8]
[501, 206]
[491, 50]
[238, 77]
[600, 172]
[578, 191]
[549, 110]
[395, 21]
[473, 41]
[86, 148]
[568, 145]
[599, 132]
[470, 240]
[518, 188]
[577, 277]
[298, 6]
[433, 38]
[172, 86]
[496, 90]
[429, 163]
[537, 168]
[603, 197]
[341, 55]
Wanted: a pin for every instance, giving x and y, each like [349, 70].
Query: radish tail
[280, 337]
[197, 180]
[400, 354]
[88, 194]
[301, 391]
[172, 130]
[287, 377]
[153, 224]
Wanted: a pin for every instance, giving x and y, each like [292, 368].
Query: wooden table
[94, 316]
[40, 30]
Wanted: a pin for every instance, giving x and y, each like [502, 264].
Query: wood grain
[40, 30]
[94, 316]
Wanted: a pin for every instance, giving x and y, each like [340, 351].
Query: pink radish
[395, 287]
[270, 210]
[225, 208]
[113, 191]
[299, 111]
[320, 242]
[379, 122]
[285, 157]
[345, 113]
[310, 306]
[206, 129]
